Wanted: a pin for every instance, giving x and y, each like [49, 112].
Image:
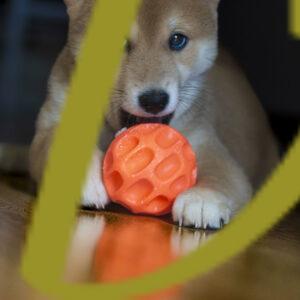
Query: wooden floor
[112, 246]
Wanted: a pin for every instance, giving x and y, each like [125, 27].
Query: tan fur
[215, 107]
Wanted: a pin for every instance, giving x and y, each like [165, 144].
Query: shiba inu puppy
[173, 72]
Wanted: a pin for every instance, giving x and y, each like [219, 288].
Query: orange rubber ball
[147, 167]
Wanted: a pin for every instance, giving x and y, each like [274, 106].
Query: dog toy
[147, 166]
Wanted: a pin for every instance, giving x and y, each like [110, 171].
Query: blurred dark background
[32, 32]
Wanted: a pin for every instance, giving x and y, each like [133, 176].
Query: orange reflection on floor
[110, 247]
[132, 248]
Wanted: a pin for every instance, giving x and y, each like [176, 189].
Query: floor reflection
[111, 247]
[132, 247]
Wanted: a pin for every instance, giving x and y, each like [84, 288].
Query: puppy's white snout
[154, 101]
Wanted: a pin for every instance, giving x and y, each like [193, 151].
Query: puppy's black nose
[154, 101]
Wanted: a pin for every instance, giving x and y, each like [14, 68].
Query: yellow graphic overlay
[48, 239]
[75, 140]
[294, 18]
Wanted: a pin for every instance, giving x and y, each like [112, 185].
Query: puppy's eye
[178, 41]
[128, 46]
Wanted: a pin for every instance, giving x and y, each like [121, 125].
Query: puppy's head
[171, 44]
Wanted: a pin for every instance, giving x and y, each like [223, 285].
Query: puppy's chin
[128, 120]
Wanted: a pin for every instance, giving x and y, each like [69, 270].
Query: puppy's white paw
[94, 193]
[202, 209]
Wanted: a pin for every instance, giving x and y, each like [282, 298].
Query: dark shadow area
[31, 35]
[256, 32]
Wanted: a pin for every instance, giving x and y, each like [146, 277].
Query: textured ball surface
[147, 167]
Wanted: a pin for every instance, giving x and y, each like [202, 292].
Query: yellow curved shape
[54, 217]
[294, 18]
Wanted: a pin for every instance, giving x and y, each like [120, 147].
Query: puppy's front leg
[222, 189]
[94, 193]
